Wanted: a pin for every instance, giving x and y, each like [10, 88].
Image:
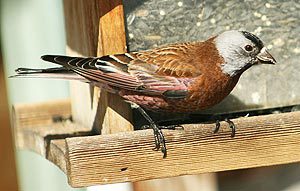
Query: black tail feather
[57, 59]
[54, 73]
[47, 70]
[49, 58]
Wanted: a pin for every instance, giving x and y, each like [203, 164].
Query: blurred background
[32, 28]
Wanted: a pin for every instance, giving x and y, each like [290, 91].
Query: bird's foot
[231, 126]
[160, 142]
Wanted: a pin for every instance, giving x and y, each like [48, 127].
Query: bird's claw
[159, 139]
[231, 126]
[160, 142]
[217, 126]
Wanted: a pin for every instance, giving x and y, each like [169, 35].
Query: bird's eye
[248, 48]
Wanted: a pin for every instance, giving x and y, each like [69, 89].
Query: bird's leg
[158, 135]
[231, 126]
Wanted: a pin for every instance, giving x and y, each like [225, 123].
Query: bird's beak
[264, 57]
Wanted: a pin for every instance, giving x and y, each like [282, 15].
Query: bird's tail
[54, 73]
[106, 71]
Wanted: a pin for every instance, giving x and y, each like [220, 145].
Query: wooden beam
[96, 28]
[260, 141]
[40, 114]
[112, 40]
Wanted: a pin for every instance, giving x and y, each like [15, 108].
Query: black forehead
[254, 39]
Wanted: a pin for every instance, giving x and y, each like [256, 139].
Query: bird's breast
[208, 91]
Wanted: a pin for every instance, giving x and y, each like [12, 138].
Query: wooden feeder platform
[89, 159]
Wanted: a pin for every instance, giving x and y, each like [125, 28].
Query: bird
[181, 77]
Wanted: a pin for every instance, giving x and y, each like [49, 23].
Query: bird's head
[241, 50]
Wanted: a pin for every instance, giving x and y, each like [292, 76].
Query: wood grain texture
[114, 114]
[56, 153]
[35, 128]
[40, 114]
[123, 157]
[96, 28]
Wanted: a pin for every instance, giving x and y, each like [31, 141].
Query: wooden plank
[38, 114]
[37, 125]
[112, 40]
[128, 157]
[8, 175]
[96, 28]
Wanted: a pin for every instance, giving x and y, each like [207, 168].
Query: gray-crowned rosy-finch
[183, 77]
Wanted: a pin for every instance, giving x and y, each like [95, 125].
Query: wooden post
[96, 28]
[8, 176]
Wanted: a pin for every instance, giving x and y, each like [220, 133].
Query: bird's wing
[166, 71]
[174, 60]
